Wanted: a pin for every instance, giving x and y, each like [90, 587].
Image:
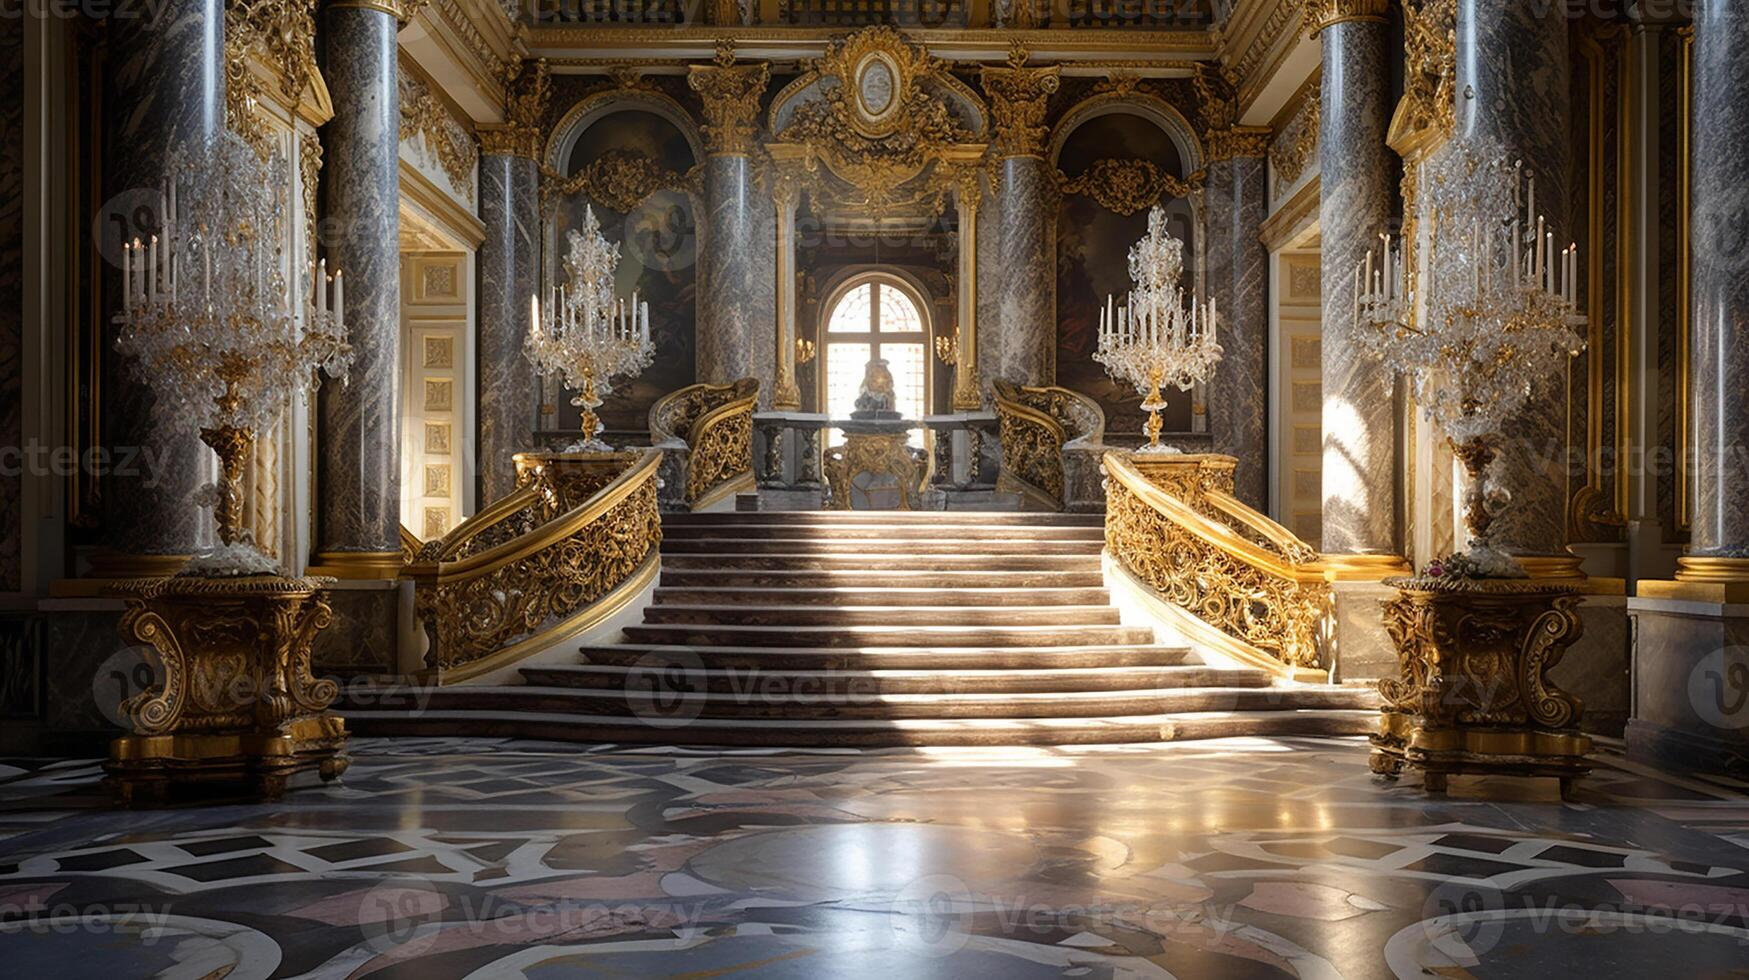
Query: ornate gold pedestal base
[234, 701]
[874, 453]
[1473, 694]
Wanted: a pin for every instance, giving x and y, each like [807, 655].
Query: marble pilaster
[1356, 178]
[509, 274]
[1512, 84]
[166, 85]
[1236, 276]
[1021, 343]
[359, 474]
[1719, 345]
[12, 101]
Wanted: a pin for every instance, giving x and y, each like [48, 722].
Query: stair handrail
[1034, 423]
[708, 429]
[1265, 594]
[571, 545]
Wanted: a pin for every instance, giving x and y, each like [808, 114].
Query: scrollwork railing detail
[707, 433]
[1035, 424]
[1176, 529]
[578, 527]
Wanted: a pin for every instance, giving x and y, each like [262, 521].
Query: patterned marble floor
[1237, 858]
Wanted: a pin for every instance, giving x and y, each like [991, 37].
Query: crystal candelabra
[1155, 339]
[1500, 315]
[586, 335]
[209, 321]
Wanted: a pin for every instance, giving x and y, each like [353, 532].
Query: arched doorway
[875, 316]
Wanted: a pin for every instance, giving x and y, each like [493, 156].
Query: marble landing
[1235, 858]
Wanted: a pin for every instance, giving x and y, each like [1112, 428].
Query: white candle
[339, 298]
[645, 312]
[127, 276]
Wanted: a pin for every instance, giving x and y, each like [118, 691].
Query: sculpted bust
[876, 398]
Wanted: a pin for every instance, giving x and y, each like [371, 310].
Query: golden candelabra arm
[805, 350]
[1152, 405]
[947, 349]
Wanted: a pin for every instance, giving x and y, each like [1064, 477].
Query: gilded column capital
[1320, 14]
[1018, 96]
[1235, 141]
[730, 93]
[402, 10]
[528, 86]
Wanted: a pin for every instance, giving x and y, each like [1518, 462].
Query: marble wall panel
[1236, 274]
[11, 297]
[509, 274]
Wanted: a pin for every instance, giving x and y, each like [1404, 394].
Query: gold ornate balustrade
[705, 432]
[1241, 582]
[1037, 427]
[568, 548]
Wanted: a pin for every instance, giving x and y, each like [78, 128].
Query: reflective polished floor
[1235, 858]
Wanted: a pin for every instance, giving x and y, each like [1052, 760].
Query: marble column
[1356, 178]
[166, 85]
[1513, 85]
[1236, 268]
[1024, 348]
[1021, 344]
[358, 503]
[1719, 344]
[509, 275]
[737, 317]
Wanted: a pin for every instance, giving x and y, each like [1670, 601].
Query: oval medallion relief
[876, 86]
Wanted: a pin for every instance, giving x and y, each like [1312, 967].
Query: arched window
[873, 318]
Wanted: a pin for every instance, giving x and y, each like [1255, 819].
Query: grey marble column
[358, 512]
[166, 85]
[1235, 273]
[1512, 84]
[737, 296]
[1356, 178]
[1021, 341]
[509, 275]
[1719, 349]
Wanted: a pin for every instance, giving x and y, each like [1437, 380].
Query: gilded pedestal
[877, 453]
[1473, 693]
[235, 701]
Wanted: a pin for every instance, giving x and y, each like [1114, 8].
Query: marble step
[879, 596]
[814, 733]
[852, 578]
[888, 636]
[919, 547]
[878, 531]
[876, 683]
[885, 561]
[774, 700]
[934, 518]
[645, 655]
[896, 616]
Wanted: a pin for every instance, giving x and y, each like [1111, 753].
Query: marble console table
[877, 447]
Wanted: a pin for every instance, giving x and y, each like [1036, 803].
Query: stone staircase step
[646, 655]
[776, 703]
[888, 636]
[904, 531]
[884, 562]
[814, 733]
[924, 548]
[878, 596]
[853, 578]
[872, 683]
[934, 518]
[902, 616]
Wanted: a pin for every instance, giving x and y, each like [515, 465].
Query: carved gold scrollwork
[1429, 64]
[1293, 147]
[1018, 98]
[873, 454]
[577, 528]
[706, 432]
[528, 85]
[281, 34]
[1181, 539]
[445, 136]
[1124, 186]
[620, 180]
[1034, 424]
[730, 95]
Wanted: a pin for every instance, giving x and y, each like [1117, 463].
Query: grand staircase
[877, 629]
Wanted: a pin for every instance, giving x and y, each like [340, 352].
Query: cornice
[565, 43]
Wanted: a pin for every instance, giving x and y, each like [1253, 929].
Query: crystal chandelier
[209, 321]
[1154, 339]
[586, 335]
[1500, 316]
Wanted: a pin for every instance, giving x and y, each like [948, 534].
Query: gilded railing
[706, 432]
[576, 538]
[1173, 523]
[1034, 425]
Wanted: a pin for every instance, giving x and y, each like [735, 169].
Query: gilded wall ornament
[446, 139]
[1124, 186]
[1018, 98]
[1429, 64]
[1293, 147]
[730, 94]
[619, 180]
